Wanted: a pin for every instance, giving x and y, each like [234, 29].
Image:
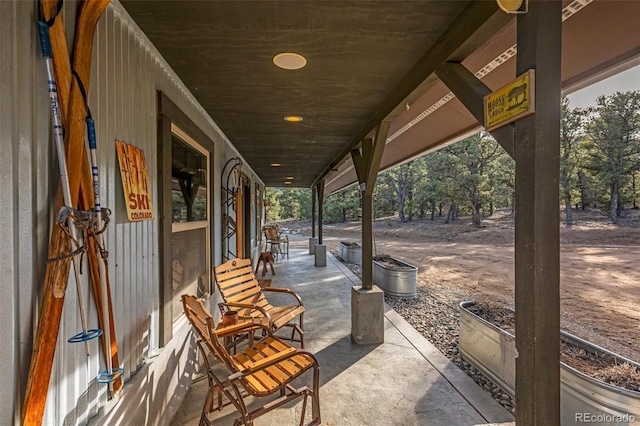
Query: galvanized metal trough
[397, 282]
[583, 399]
[351, 252]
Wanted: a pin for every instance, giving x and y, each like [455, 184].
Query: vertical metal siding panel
[138, 131]
[135, 126]
[152, 227]
[154, 284]
[8, 259]
[129, 250]
[120, 247]
[115, 189]
[129, 229]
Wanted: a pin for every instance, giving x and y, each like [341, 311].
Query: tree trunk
[614, 202]
[450, 213]
[477, 218]
[633, 186]
[401, 209]
[569, 211]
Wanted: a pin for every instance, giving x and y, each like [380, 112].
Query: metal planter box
[396, 282]
[493, 351]
[351, 253]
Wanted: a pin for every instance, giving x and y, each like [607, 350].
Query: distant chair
[277, 243]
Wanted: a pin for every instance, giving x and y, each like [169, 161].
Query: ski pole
[106, 319]
[45, 43]
[110, 374]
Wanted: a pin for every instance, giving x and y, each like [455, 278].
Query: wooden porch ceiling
[366, 61]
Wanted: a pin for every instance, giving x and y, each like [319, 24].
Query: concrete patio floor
[404, 381]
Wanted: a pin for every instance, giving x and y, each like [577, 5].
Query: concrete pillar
[321, 255]
[313, 241]
[367, 315]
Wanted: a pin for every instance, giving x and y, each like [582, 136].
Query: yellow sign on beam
[511, 102]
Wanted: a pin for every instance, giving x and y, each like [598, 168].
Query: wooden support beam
[537, 269]
[459, 32]
[320, 191]
[313, 211]
[471, 92]
[367, 165]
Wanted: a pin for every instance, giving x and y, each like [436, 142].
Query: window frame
[170, 117]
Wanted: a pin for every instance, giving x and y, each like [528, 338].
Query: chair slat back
[237, 283]
[202, 321]
[271, 233]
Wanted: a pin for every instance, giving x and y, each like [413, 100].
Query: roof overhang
[368, 61]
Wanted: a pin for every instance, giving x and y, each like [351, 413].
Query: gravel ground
[434, 313]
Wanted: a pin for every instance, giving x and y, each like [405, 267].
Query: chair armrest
[271, 359]
[238, 328]
[249, 306]
[284, 290]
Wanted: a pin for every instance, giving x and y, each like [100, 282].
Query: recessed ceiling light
[293, 118]
[289, 61]
[276, 164]
[287, 182]
[290, 177]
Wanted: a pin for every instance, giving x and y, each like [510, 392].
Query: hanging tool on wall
[111, 374]
[67, 216]
[57, 274]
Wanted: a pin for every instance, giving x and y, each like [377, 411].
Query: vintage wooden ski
[57, 272]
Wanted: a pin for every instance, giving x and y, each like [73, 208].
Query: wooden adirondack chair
[277, 243]
[241, 292]
[264, 369]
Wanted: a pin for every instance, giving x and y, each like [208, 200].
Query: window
[185, 163]
[190, 252]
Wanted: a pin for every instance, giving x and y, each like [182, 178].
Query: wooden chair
[277, 243]
[266, 368]
[241, 292]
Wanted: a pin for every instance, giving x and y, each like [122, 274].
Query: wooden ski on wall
[57, 271]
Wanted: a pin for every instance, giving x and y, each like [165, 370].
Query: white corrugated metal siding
[126, 74]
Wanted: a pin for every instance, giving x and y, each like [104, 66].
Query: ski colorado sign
[511, 102]
[135, 182]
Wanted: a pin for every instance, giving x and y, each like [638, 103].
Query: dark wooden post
[313, 212]
[537, 269]
[367, 164]
[320, 191]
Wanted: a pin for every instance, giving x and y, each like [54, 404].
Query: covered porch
[404, 380]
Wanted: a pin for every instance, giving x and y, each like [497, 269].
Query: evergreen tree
[472, 159]
[614, 148]
[400, 182]
[570, 133]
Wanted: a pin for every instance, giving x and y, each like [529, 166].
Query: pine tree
[614, 146]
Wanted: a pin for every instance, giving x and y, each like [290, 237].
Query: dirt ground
[600, 268]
